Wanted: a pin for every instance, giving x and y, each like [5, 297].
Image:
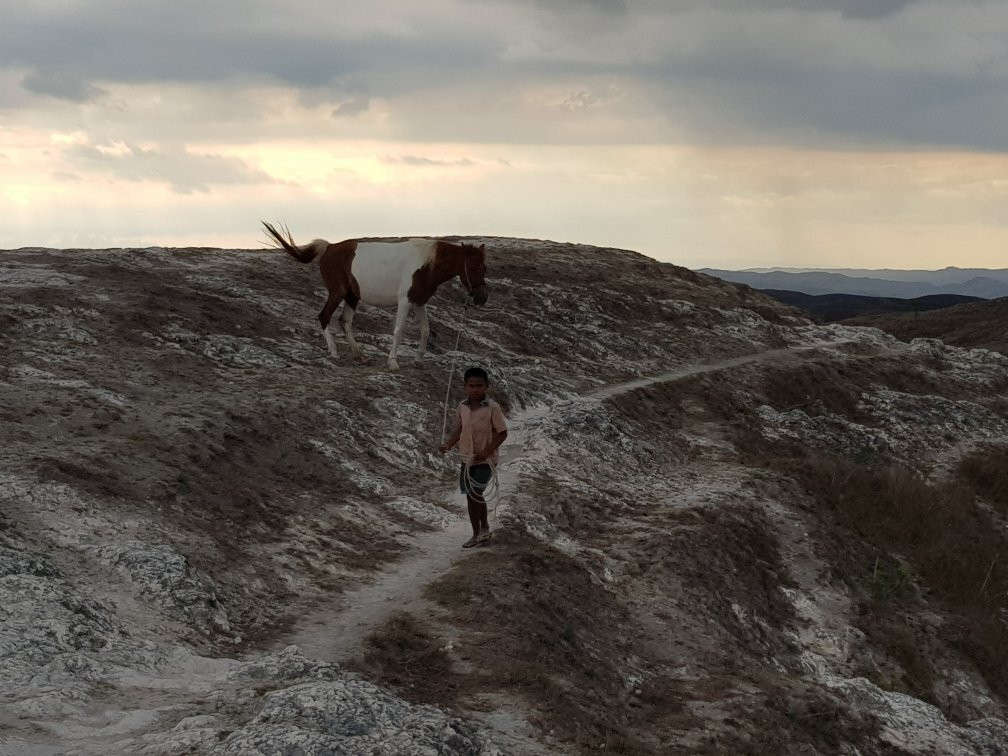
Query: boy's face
[476, 389]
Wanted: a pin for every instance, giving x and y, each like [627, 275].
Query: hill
[832, 307]
[988, 286]
[942, 276]
[970, 325]
[721, 528]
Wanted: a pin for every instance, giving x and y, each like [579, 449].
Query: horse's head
[474, 272]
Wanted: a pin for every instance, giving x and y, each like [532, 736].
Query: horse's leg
[421, 311]
[325, 318]
[346, 321]
[400, 325]
[340, 283]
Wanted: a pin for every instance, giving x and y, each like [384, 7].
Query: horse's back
[384, 270]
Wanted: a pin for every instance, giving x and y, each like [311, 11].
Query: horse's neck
[431, 277]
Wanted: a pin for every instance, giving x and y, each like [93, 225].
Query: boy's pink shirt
[479, 427]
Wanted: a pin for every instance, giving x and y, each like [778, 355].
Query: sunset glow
[794, 142]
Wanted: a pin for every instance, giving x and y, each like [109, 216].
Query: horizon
[810, 269]
[753, 269]
[730, 134]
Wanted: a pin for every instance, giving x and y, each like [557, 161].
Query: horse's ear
[482, 247]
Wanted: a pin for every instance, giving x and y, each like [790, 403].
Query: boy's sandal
[483, 537]
[470, 543]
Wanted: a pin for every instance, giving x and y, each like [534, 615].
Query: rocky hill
[971, 324]
[721, 528]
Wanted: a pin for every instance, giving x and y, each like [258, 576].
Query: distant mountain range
[982, 283]
[832, 307]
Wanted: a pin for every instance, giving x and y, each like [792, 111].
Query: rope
[492, 488]
[467, 284]
[451, 372]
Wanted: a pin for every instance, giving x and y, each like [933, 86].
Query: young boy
[479, 431]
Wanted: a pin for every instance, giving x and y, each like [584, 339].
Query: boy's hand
[443, 448]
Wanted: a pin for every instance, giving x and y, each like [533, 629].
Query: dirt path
[685, 371]
[336, 631]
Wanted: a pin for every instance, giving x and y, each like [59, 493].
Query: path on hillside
[336, 631]
[685, 371]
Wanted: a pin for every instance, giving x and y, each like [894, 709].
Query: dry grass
[543, 629]
[828, 385]
[404, 654]
[987, 471]
[812, 386]
[539, 626]
[978, 324]
[938, 526]
[958, 553]
[671, 405]
[798, 718]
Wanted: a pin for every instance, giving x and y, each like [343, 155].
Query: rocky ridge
[186, 475]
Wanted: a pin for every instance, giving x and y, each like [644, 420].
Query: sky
[708, 133]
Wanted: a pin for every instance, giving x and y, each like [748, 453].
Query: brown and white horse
[403, 273]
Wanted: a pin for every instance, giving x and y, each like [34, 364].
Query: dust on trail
[336, 631]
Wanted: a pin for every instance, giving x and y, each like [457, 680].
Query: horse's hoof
[393, 365]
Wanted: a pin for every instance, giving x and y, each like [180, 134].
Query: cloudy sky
[723, 133]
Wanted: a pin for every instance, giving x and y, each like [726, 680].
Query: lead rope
[451, 371]
[492, 488]
[458, 338]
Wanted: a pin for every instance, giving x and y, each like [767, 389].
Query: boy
[479, 431]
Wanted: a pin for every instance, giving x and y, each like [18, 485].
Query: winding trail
[686, 371]
[336, 631]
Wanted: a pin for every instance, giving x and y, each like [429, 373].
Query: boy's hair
[477, 372]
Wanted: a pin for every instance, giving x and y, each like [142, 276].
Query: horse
[403, 273]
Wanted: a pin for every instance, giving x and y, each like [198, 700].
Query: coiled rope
[491, 489]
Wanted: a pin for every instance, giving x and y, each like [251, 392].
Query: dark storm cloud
[59, 85]
[849, 8]
[868, 8]
[573, 6]
[186, 42]
[848, 72]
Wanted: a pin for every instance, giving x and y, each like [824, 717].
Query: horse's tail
[301, 252]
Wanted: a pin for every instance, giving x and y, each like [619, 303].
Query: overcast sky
[722, 133]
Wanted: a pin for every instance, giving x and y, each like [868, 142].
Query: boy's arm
[496, 441]
[453, 438]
